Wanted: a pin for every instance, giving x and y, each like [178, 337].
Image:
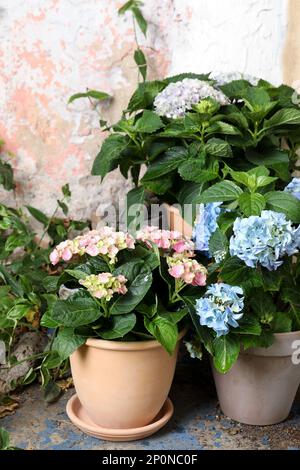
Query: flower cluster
[223, 78]
[264, 239]
[165, 239]
[193, 347]
[294, 187]
[104, 241]
[179, 97]
[187, 269]
[220, 307]
[206, 225]
[104, 285]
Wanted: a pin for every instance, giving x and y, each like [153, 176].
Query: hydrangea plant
[121, 288]
[228, 146]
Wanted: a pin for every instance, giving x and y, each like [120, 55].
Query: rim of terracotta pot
[281, 346]
[128, 346]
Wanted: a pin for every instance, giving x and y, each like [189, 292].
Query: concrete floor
[196, 424]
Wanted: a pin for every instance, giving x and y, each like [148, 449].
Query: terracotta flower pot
[122, 385]
[176, 221]
[261, 386]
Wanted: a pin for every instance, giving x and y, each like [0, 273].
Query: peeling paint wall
[52, 49]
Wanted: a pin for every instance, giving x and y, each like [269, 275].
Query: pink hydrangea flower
[104, 241]
[187, 269]
[165, 239]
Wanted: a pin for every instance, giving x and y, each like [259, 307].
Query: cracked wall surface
[52, 49]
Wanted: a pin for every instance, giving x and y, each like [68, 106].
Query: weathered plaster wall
[52, 49]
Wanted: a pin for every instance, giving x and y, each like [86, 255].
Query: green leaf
[50, 283]
[251, 203]
[235, 272]
[127, 6]
[141, 62]
[248, 325]
[149, 122]
[161, 185]
[226, 352]
[38, 215]
[119, 326]
[282, 201]
[94, 265]
[262, 303]
[190, 193]
[66, 190]
[218, 244]
[165, 164]
[256, 98]
[220, 192]
[182, 76]
[98, 95]
[235, 88]
[29, 377]
[109, 155]
[164, 331]
[6, 176]
[135, 201]
[52, 392]
[63, 207]
[66, 342]
[264, 340]
[140, 19]
[288, 116]
[282, 323]
[19, 311]
[174, 317]
[76, 273]
[220, 127]
[192, 170]
[76, 311]
[218, 148]
[4, 439]
[140, 281]
[268, 158]
[144, 95]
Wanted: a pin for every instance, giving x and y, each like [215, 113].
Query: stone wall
[52, 49]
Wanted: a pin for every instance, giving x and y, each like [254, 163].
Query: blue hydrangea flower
[179, 97]
[206, 225]
[221, 307]
[264, 239]
[294, 187]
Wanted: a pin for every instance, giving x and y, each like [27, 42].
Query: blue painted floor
[196, 424]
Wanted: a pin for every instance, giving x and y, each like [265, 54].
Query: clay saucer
[79, 417]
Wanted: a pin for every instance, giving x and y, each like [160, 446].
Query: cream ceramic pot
[261, 386]
[122, 385]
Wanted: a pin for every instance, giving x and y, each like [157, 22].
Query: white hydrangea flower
[179, 97]
[222, 78]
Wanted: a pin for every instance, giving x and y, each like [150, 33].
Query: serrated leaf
[282, 201]
[192, 170]
[109, 155]
[75, 311]
[118, 326]
[149, 122]
[144, 95]
[220, 192]
[288, 116]
[251, 203]
[165, 164]
[218, 148]
[66, 342]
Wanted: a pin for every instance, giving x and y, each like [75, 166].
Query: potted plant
[248, 318]
[122, 325]
[228, 148]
